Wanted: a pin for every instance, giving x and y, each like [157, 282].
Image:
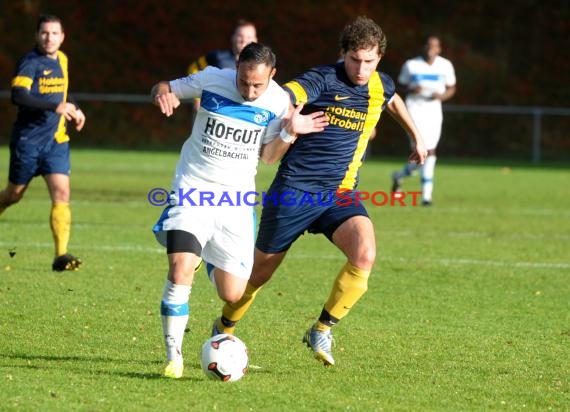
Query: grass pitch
[468, 307]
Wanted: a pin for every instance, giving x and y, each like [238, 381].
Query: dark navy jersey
[222, 59]
[46, 79]
[330, 160]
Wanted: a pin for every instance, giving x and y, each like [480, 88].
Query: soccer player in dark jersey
[314, 189]
[39, 143]
[244, 33]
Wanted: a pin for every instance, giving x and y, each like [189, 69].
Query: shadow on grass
[86, 370]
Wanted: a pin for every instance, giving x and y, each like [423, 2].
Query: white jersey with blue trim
[426, 111]
[432, 78]
[228, 131]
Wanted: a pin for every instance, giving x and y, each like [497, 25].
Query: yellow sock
[60, 221]
[349, 286]
[235, 311]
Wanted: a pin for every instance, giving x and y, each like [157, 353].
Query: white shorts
[428, 118]
[226, 233]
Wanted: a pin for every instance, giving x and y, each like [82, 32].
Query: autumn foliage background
[505, 53]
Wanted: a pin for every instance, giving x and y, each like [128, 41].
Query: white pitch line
[477, 262]
[299, 256]
[495, 211]
[121, 248]
[494, 235]
[399, 233]
[446, 262]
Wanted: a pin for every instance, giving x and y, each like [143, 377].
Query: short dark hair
[243, 23]
[257, 53]
[362, 33]
[48, 18]
[430, 36]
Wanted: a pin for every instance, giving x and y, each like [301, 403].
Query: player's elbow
[17, 95]
[269, 156]
[269, 160]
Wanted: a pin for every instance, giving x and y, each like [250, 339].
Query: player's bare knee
[8, 199]
[230, 297]
[365, 257]
[260, 278]
[61, 196]
[181, 277]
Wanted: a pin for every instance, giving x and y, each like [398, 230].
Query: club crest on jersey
[262, 117]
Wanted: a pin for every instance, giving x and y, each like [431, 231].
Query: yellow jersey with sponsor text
[330, 160]
[44, 78]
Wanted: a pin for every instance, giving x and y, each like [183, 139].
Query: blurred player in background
[39, 143]
[429, 80]
[353, 94]
[244, 115]
[244, 33]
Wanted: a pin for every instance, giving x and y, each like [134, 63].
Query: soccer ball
[224, 358]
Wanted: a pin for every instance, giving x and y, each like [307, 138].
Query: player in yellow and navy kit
[39, 143]
[244, 33]
[304, 195]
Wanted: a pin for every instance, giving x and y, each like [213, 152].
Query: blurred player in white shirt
[429, 80]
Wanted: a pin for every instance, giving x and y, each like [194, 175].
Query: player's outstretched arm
[295, 124]
[397, 109]
[163, 97]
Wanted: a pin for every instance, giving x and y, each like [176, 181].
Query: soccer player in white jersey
[244, 115]
[429, 80]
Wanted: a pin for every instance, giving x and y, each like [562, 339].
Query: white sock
[428, 170]
[174, 310]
